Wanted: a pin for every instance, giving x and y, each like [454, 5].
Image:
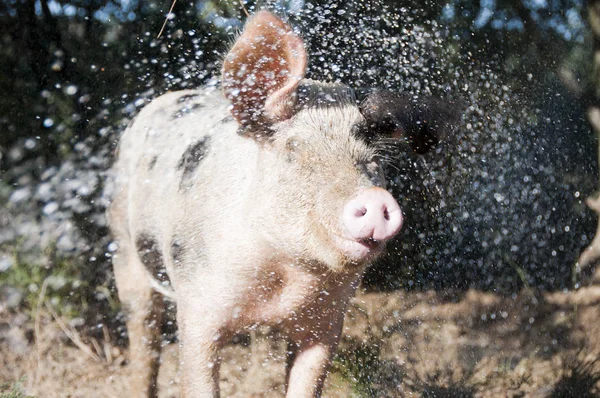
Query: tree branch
[591, 254]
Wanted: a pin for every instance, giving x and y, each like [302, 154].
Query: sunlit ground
[431, 344]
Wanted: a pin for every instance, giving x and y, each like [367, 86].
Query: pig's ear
[422, 121]
[262, 71]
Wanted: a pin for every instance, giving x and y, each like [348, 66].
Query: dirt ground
[425, 344]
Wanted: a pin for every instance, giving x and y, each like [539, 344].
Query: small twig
[36, 327]
[254, 349]
[521, 273]
[244, 8]
[73, 335]
[166, 19]
[96, 346]
[593, 203]
[107, 346]
[591, 254]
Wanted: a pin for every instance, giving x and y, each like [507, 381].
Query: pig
[258, 204]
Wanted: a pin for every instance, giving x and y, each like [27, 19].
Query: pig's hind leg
[143, 308]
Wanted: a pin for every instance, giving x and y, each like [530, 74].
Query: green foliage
[363, 365]
[13, 391]
[60, 283]
[358, 364]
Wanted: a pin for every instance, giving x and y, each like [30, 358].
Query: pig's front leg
[313, 344]
[314, 334]
[309, 369]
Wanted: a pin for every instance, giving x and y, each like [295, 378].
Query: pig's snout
[373, 214]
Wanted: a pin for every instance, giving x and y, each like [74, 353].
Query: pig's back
[163, 130]
[176, 144]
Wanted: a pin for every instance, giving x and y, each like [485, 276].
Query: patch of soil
[429, 344]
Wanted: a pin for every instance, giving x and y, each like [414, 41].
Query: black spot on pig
[188, 105]
[186, 110]
[259, 132]
[177, 251]
[187, 255]
[227, 119]
[187, 97]
[150, 255]
[125, 310]
[152, 162]
[190, 160]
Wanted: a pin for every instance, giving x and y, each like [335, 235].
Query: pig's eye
[369, 131]
[375, 173]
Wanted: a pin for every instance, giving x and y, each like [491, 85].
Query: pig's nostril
[373, 243]
[360, 212]
[386, 214]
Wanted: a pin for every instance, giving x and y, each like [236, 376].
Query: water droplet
[71, 89]
[112, 247]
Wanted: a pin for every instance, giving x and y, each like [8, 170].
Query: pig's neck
[285, 288]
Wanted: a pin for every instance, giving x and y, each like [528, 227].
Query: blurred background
[499, 206]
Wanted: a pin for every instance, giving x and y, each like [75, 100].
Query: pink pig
[260, 206]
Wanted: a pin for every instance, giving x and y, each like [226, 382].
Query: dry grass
[426, 344]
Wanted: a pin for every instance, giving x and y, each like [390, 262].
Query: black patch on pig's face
[293, 149]
[421, 121]
[190, 160]
[370, 131]
[151, 256]
[152, 162]
[423, 137]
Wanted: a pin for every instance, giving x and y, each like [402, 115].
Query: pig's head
[320, 189]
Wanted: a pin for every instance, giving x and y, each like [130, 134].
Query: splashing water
[499, 203]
